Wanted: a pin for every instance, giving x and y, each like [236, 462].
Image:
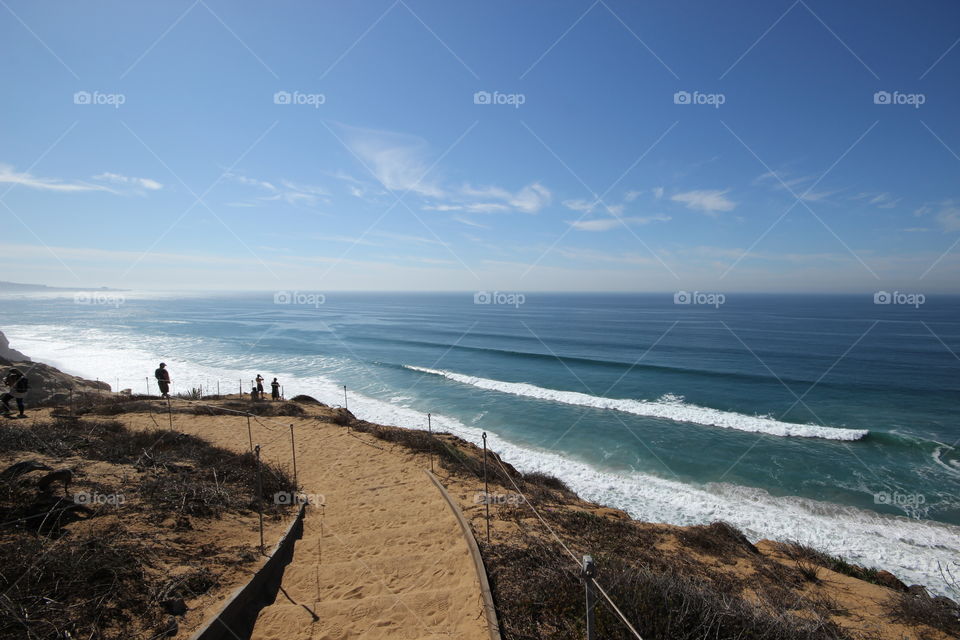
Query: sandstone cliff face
[48, 385]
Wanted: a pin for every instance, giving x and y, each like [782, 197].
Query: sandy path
[384, 557]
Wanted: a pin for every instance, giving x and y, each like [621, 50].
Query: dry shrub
[539, 595]
[718, 539]
[87, 586]
[920, 608]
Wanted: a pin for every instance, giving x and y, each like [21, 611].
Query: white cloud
[397, 161]
[400, 163]
[949, 218]
[584, 206]
[947, 214]
[816, 196]
[288, 191]
[580, 205]
[406, 238]
[469, 222]
[605, 224]
[129, 181]
[708, 201]
[658, 192]
[782, 180]
[347, 240]
[530, 199]
[630, 196]
[594, 255]
[9, 176]
[882, 200]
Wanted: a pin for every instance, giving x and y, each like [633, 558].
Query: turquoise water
[824, 418]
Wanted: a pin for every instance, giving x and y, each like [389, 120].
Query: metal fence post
[486, 487]
[430, 431]
[588, 572]
[293, 451]
[260, 496]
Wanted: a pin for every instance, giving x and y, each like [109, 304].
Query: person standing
[163, 380]
[275, 389]
[17, 387]
[259, 385]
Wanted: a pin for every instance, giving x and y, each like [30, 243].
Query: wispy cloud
[347, 240]
[401, 163]
[139, 185]
[595, 255]
[882, 200]
[782, 180]
[398, 161]
[945, 212]
[707, 201]
[284, 191]
[401, 237]
[470, 223]
[10, 176]
[787, 181]
[605, 224]
[529, 199]
[586, 206]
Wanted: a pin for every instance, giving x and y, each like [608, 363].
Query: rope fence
[584, 567]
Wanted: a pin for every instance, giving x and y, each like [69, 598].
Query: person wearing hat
[163, 380]
[17, 387]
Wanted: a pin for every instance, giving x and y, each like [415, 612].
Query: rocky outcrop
[10, 354]
[48, 385]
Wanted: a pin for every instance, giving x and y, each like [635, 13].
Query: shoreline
[908, 548]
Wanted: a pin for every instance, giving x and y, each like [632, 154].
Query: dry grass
[920, 608]
[539, 595]
[807, 559]
[72, 571]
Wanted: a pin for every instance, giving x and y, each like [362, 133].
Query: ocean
[829, 420]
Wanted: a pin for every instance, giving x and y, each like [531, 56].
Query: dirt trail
[382, 557]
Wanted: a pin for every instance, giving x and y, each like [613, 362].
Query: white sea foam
[669, 407]
[910, 549]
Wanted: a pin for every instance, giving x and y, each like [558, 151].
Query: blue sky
[520, 146]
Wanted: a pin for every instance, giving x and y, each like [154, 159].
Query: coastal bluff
[48, 385]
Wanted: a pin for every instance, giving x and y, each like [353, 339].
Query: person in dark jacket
[275, 389]
[17, 387]
[163, 380]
